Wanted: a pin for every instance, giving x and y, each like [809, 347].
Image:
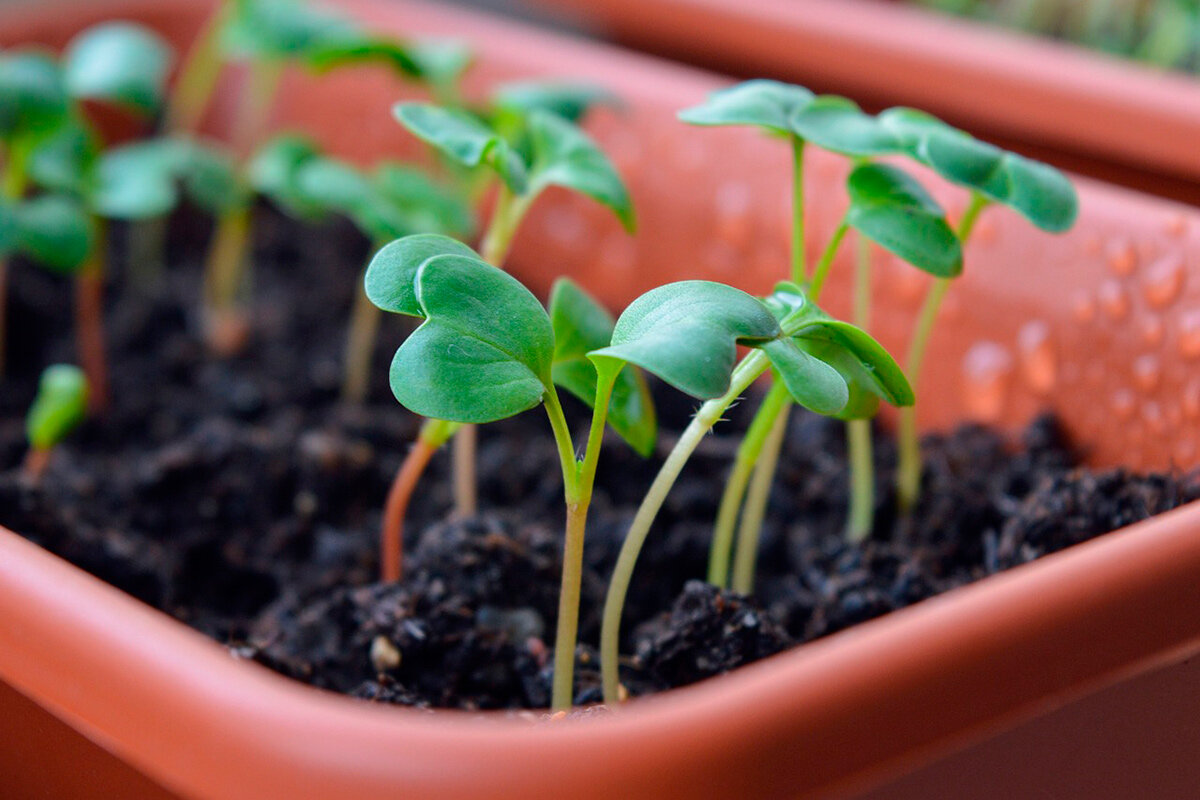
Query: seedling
[487, 350]
[539, 150]
[388, 203]
[60, 405]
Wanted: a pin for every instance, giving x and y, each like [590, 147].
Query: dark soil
[240, 497]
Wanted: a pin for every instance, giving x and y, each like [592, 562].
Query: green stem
[579, 497]
[799, 268]
[709, 414]
[908, 469]
[860, 519]
[197, 79]
[774, 403]
[360, 344]
[831, 249]
[756, 505]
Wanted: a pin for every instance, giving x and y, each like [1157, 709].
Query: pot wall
[1035, 323]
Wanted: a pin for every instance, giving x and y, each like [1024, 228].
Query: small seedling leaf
[687, 334]
[53, 230]
[839, 125]
[811, 382]
[884, 183]
[391, 275]
[484, 351]
[922, 239]
[118, 62]
[463, 138]
[582, 325]
[210, 177]
[763, 103]
[441, 62]
[563, 155]
[33, 97]
[273, 169]
[884, 375]
[409, 201]
[59, 406]
[63, 161]
[1042, 194]
[136, 181]
[568, 100]
[862, 396]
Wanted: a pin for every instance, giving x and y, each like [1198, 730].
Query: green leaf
[568, 100]
[563, 155]
[351, 46]
[63, 160]
[136, 181]
[485, 350]
[910, 127]
[409, 201]
[687, 334]
[33, 97]
[890, 208]
[59, 406]
[119, 62]
[1041, 194]
[334, 184]
[209, 174]
[580, 326]
[884, 376]
[273, 169]
[54, 231]
[463, 138]
[391, 275]
[766, 104]
[862, 396]
[839, 125]
[441, 62]
[811, 382]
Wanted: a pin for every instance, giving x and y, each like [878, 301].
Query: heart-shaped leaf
[885, 184]
[563, 155]
[580, 326]
[54, 231]
[863, 398]
[687, 334]
[839, 125]
[391, 275]
[210, 177]
[889, 207]
[910, 127]
[484, 351]
[763, 103]
[59, 406]
[118, 62]
[884, 376]
[568, 100]
[33, 97]
[412, 202]
[63, 161]
[811, 382]
[463, 138]
[136, 181]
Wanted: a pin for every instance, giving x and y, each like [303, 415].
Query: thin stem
[773, 404]
[799, 268]
[37, 459]
[860, 517]
[756, 505]
[710, 412]
[193, 89]
[224, 275]
[862, 282]
[360, 344]
[826, 261]
[433, 435]
[465, 480]
[566, 448]
[566, 637]
[89, 321]
[908, 470]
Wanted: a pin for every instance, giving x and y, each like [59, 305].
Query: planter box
[1099, 325]
[1085, 111]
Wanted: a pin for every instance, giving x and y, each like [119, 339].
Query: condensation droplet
[985, 232]
[986, 368]
[1083, 307]
[720, 258]
[1185, 453]
[1039, 362]
[1092, 246]
[1152, 331]
[1191, 399]
[1147, 372]
[1121, 257]
[619, 252]
[1189, 334]
[563, 224]
[1164, 281]
[733, 213]
[1176, 225]
[1123, 403]
[1114, 300]
[1174, 416]
[1152, 414]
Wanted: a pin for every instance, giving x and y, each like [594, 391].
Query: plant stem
[756, 504]
[799, 268]
[578, 494]
[224, 274]
[197, 78]
[34, 466]
[710, 412]
[360, 344]
[826, 261]
[860, 519]
[908, 470]
[773, 405]
[433, 435]
[89, 321]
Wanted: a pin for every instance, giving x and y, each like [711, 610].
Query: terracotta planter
[1043, 97]
[1100, 325]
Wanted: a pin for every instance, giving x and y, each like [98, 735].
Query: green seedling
[887, 207]
[50, 144]
[60, 405]
[538, 150]
[390, 202]
[487, 350]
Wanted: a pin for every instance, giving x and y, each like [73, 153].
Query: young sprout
[487, 350]
[540, 149]
[60, 405]
[391, 202]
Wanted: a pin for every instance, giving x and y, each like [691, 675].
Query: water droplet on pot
[1039, 363]
[1083, 307]
[1189, 334]
[1121, 257]
[563, 224]
[1113, 299]
[733, 212]
[985, 369]
[1185, 453]
[1153, 416]
[1164, 281]
[1123, 403]
[720, 258]
[618, 252]
[1146, 372]
[1152, 329]
[1191, 399]
[1176, 224]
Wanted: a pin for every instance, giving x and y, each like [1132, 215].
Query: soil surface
[242, 498]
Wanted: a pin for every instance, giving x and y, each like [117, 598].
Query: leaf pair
[487, 349]
[147, 179]
[58, 408]
[560, 154]
[52, 230]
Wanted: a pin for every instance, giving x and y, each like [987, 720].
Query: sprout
[60, 405]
